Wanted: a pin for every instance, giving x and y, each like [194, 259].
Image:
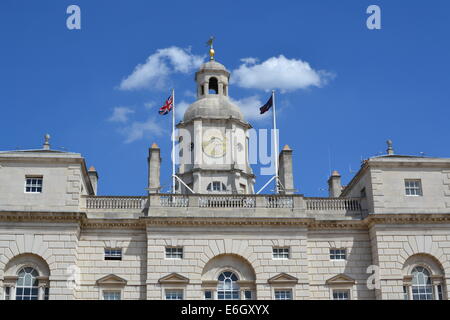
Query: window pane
[421, 284]
[228, 288]
[27, 284]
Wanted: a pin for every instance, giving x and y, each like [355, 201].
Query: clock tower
[213, 138]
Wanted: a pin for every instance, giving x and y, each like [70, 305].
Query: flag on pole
[267, 106]
[167, 107]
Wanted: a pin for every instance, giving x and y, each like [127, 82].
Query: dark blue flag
[267, 106]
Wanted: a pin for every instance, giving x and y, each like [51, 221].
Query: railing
[324, 205]
[174, 200]
[279, 201]
[226, 201]
[100, 202]
[330, 204]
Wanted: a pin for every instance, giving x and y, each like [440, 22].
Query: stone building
[386, 235]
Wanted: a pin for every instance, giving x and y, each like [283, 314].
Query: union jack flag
[167, 107]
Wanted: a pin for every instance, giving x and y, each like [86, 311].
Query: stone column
[154, 166]
[41, 292]
[285, 172]
[334, 185]
[93, 177]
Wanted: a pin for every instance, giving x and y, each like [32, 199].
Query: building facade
[386, 235]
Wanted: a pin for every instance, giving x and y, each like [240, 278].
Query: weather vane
[211, 49]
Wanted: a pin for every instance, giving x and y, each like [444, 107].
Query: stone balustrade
[115, 202]
[230, 201]
[333, 204]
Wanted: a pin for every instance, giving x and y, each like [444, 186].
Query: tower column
[285, 173]
[154, 166]
[334, 185]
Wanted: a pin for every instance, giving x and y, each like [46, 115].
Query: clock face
[214, 143]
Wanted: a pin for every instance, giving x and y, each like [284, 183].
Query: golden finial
[211, 49]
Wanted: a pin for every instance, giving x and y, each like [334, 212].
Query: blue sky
[387, 84]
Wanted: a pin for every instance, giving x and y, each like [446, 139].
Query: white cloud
[250, 60]
[155, 71]
[180, 108]
[138, 130]
[250, 108]
[278, 73]
[120, 114]
[190, 94]
[149, 104]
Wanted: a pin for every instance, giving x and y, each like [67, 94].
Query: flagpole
[173, 141]
[275, 141]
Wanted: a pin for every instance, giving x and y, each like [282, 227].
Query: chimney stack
[46, 145]
[93, 176]
[334, 185]
[390, 149]
[285, 173]
[154, 166]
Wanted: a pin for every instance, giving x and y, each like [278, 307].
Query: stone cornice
[40, 216]
[222, 221]
[374, 219]
[183, 124]
[142, 223]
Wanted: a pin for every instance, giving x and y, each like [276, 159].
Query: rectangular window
[439, 292]
[7, 293]
[174, 294]
[111, 295]
[248, 295]
[113, 254]
[413, 187]
[341, 295]
[174, 252]
[33, 184]
[337, 254]
[280, 252]
[283, 294]
[216, 186]
[208, 295]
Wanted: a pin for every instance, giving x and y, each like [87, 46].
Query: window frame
[111, 256]
[338, 255]
[341, 290]
[110, 290]
[235, 287]
[211, 187]
[418, 190]
[281, 255]
[34, 273]
[173, 255]
[291, 293]
[179, 290]
[31, 185]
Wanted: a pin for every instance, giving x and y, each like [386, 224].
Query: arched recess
[423, 278]
[236, 247]
[213, 85]
[27, 260]
[231, 262]
[28, 265]
[232, 266]
[422, 244]
[28, 244]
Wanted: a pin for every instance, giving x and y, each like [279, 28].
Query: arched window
[27, 287]
[216, 186]
[213, 86]
[228, 288]
[422, 288]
